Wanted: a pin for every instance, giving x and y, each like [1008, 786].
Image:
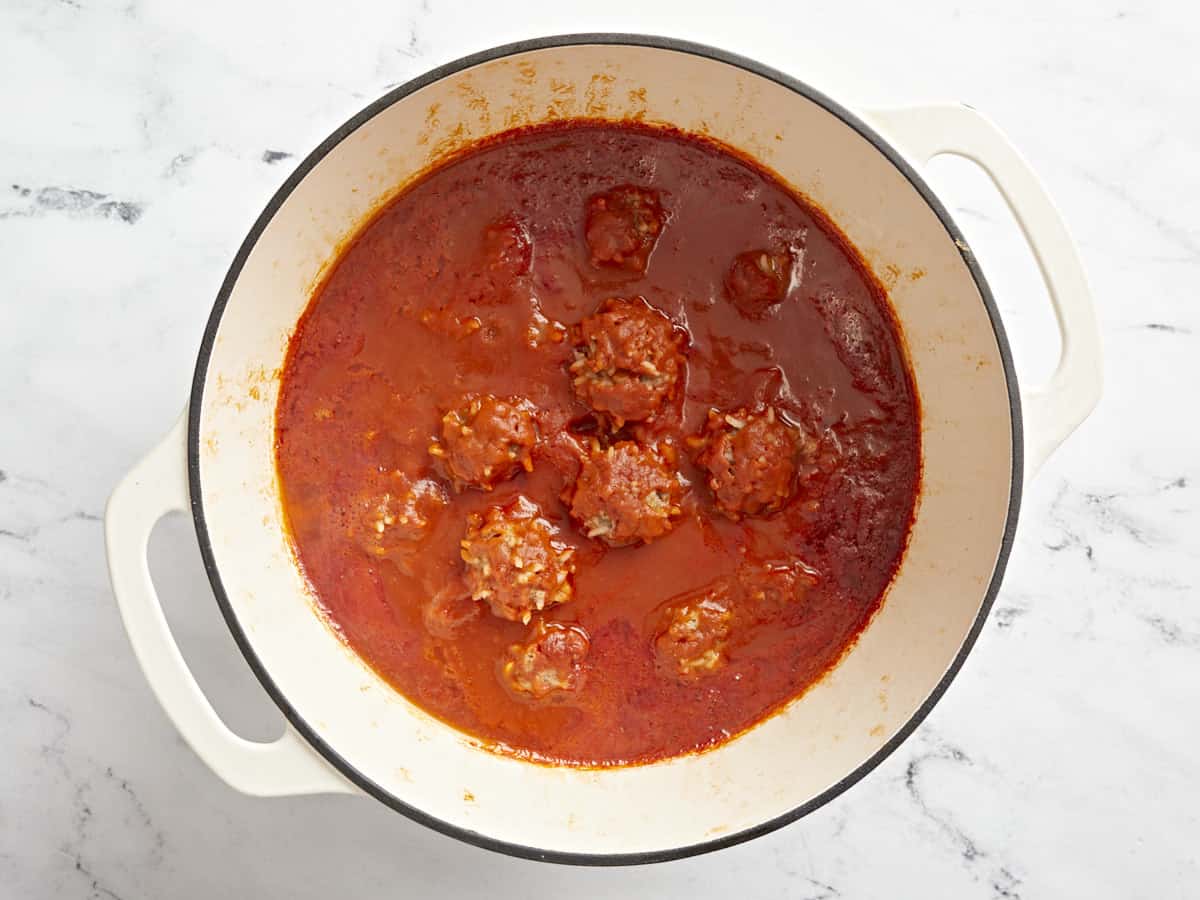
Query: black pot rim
[309, 733]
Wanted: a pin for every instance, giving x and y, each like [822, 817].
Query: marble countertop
[143, 138]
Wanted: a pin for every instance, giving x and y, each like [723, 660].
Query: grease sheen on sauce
[413, 316]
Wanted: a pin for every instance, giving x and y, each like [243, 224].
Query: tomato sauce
[473, 282]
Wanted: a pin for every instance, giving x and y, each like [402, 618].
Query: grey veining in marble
[141, 139]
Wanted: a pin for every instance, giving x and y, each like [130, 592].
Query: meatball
[514, 563]
[550, 661]
[508, 248]
[694, 630]
[862, 343]
[772, 586]
[448, 610]
[623, 225]
[397, 513]
[750, 460]
[628, 360]
[505, 253]
[758, 280]
[486, 440]
[626, 493]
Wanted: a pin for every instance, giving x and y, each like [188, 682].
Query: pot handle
[1053, 410]
[157, 485]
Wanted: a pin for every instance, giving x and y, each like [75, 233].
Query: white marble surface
[141, 138]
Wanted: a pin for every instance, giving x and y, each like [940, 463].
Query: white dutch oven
[349, 732]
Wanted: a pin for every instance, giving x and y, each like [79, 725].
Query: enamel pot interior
[791, 762]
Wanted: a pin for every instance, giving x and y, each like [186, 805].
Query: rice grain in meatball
[749, 457]
[626, 493]
[549, 661]
[486, 440]
[514, 562]
[629, 360]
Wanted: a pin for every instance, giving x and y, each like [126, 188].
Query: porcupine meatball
[486, 440]
[514, 562]
[628, 360]
[507, 254]
[507, 247]
[623, 225]
[448, 610]
[693, 631]
[775, 585]
[549, 661]
[626, 493]
[758, 280]
[749, 457]
[395, 512]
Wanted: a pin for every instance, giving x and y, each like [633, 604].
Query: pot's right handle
[157, 485]
[1055, 409]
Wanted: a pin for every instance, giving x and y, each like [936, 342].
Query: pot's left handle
[156, 486]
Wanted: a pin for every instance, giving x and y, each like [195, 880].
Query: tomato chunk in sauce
[598, 443]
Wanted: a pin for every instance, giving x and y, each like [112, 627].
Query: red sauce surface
[474, 281]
